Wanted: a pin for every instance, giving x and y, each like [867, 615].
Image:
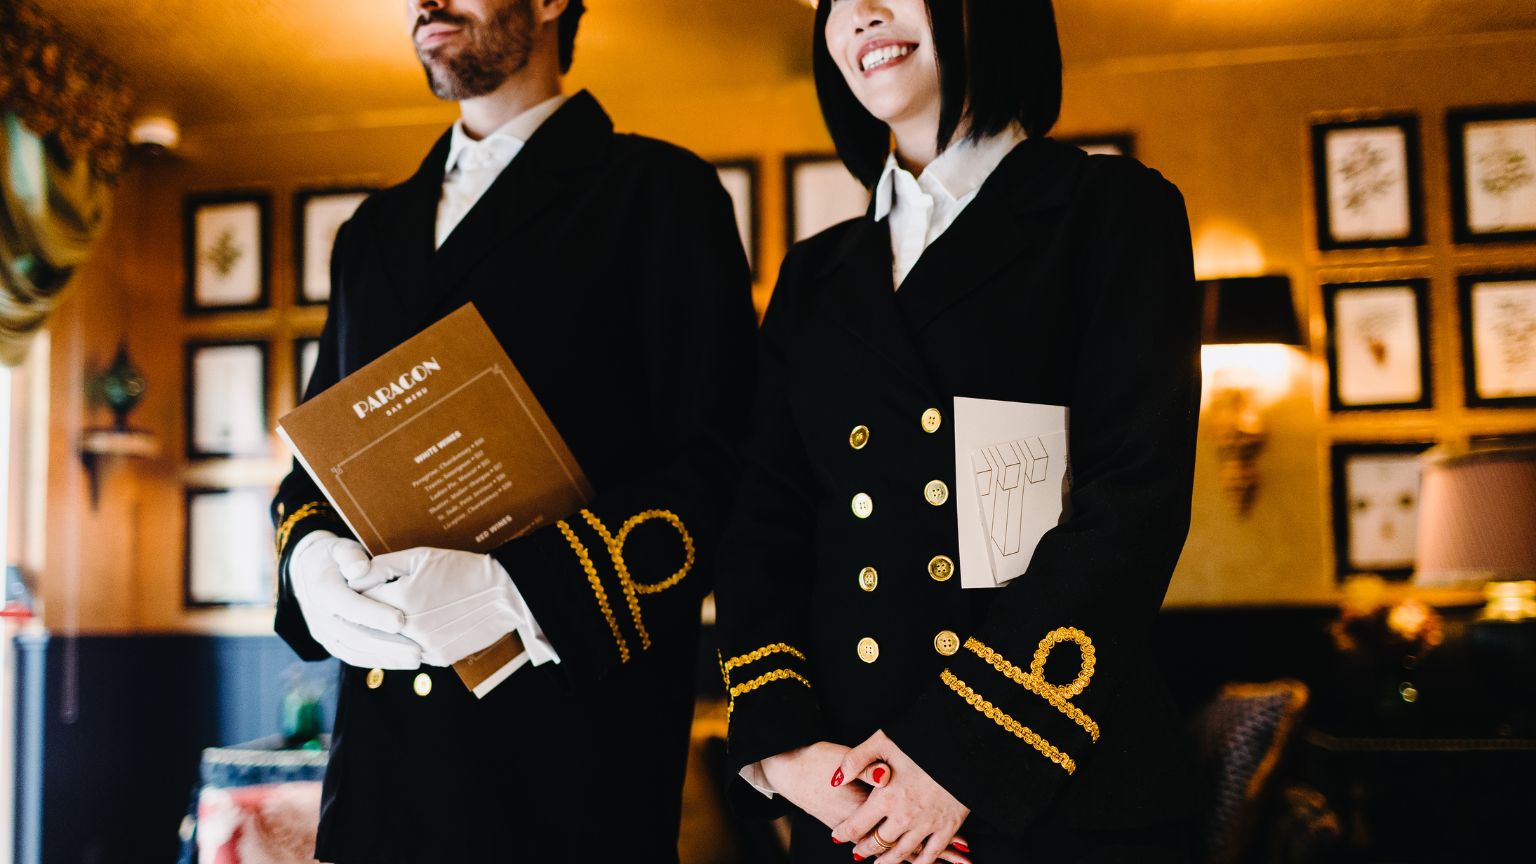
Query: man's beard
[495, 51]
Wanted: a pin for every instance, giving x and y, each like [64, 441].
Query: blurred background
[1350, 625]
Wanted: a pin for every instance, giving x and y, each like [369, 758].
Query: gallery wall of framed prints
[1424, 258]
[257, 281]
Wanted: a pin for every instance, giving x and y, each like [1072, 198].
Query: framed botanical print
[739, 177]
[1115, 144]
[1376, 507]
[1493, 173]
[226, 252]
[317, 215]
[1498, 339]
[1378, 345]
[819, 193]
[226, 399]
[1367, 185]
[228, 548]
[305, 352]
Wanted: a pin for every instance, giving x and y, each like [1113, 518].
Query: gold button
[941, 567]
[936, 492]
[868, 578]
[858, 437]
[375, 678]
[932, 420]
[422, 684]
[863, 505]
[869, 650]
[946, 642]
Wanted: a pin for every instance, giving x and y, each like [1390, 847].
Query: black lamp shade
[1253, 309]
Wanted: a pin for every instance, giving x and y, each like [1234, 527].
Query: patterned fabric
[272, 824]
[1241, 735]
[62, 89]
[256, 804]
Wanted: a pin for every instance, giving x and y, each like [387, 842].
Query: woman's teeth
[881, 56]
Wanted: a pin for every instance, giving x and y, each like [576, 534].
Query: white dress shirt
[473, 166]
[922, 208]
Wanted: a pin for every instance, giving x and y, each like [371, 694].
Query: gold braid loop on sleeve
[632, 589]
[765, 678]
[1034, 680]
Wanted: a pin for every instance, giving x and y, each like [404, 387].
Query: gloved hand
[455, 603]
[356, 630]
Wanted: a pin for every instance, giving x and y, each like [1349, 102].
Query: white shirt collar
[517, 130]
[957, 172]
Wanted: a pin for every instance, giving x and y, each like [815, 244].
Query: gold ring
[881, 840]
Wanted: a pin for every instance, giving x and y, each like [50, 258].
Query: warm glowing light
[1266, 371]
[1224, 250]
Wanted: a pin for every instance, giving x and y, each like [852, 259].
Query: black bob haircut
[1007, 69]
[570, 19]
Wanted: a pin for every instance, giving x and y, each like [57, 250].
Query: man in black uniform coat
[610, 270]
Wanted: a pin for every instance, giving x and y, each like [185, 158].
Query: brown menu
[439, 443]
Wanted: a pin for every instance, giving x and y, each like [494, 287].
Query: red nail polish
[838, 842]
[961, 846]
[837, 779]
[858, 857]
[879, 774]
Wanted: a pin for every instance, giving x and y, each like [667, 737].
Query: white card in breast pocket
[1012, 469]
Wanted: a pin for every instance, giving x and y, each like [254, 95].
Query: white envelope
[1012, 477]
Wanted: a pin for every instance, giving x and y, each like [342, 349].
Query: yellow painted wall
[1230, 130]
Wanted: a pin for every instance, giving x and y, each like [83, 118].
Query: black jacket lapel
[572, 139]
[412, 233]
[992, 230]
[860, 297]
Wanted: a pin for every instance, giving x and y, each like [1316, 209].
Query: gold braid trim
[765, 678]
[758, 654]
[1035, 682]
[627, 584]
[597, 587]
[313, 508]
[1001, 718]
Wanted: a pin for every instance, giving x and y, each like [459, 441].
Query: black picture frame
[1420, 330]
[259, 444]
[1116, 143]
[749, 209]
[1412, 165]
[1467, 284]
[1340, 458]
[300, 380]
[1457, 121]
[194, 300]
[302, 199]
[794, 164]
[252, 551]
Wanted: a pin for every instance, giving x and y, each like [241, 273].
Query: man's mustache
[440, 16]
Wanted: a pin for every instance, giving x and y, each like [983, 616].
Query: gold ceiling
[218, 62]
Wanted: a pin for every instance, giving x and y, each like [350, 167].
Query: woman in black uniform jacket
[998, 264]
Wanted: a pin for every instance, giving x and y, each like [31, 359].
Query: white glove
[455, 603]
[357, 631]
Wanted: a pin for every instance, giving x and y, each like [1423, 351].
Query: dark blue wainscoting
[112, 781]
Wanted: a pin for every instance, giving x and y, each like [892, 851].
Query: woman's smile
[880, 54]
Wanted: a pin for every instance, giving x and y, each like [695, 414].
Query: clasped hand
[402, 609]
[873, 791]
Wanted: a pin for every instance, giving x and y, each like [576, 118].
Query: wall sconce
[120, 388]
[1247, 317]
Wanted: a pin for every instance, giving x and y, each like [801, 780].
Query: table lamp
[1477, 525]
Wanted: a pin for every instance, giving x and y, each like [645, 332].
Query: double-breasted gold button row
[931, 421]
[946, 642]
[935, 493]
[940, 569]
[422, 683]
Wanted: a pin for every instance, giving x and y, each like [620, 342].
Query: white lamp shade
[1477, 518]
